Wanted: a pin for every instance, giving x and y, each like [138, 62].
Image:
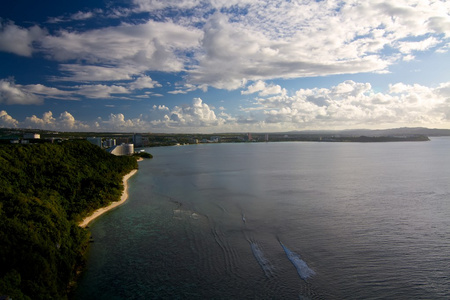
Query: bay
[369, 220]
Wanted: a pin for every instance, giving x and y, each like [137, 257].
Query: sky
[194, 66]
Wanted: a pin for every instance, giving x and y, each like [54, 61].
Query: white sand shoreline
[102, 210]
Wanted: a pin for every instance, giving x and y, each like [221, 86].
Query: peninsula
[47, 190]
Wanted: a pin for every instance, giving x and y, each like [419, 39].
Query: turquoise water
[359, 221]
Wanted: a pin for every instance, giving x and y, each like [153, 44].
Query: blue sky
[224, 65]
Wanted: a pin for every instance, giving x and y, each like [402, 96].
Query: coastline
[102, 210]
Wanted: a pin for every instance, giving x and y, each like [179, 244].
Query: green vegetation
[143, 155]
[46, 189]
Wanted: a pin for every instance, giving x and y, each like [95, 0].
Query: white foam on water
[261, 259]
[302, 268]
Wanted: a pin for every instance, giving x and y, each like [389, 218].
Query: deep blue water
[359, 220]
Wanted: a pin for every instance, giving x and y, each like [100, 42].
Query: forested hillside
[45, 190]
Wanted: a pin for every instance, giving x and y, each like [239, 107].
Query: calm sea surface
[357, 220]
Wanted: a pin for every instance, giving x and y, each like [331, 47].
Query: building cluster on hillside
[123, 143]
[120, 145]
[25, 138]
[112, 146]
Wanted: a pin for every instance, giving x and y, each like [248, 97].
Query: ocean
[287, 220]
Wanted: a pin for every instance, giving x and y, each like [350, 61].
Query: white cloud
[153, 5]
[148, 46]
[100, 91]
[68, 121]
[118, 122]
[47, 121]
[11, 93]
[7, 121]
[357, 105]
[263, 89]
[144, 82]
[233, 52]
[280, 39]
[19, 40]
[65, 121]
[346, 105]
[78, 16]
[408, 47]
[49, 92]
[223, 44]
[160, 108]
[187, 87]
[199, 115]
[82, 15]
[444, 90]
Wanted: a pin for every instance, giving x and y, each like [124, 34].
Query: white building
[123, 149]
[31, 136]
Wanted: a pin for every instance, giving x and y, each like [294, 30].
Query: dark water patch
[371, 221]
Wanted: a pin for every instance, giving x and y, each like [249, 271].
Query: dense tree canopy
[46, 190]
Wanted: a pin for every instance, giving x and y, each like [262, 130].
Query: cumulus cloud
[195, 116]
[7, 121]
[118, 122]
[351, 104]
[348, 104]
[47, 121]
[12, 93]
[198, 114]
[65, 121]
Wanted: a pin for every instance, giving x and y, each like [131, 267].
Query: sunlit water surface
[360, 221]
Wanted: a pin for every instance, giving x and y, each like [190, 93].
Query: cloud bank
[347, 104]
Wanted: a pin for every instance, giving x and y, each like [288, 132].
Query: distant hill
[381, 132]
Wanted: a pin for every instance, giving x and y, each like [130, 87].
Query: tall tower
[249, 137]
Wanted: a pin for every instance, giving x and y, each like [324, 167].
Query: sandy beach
[102, 210]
